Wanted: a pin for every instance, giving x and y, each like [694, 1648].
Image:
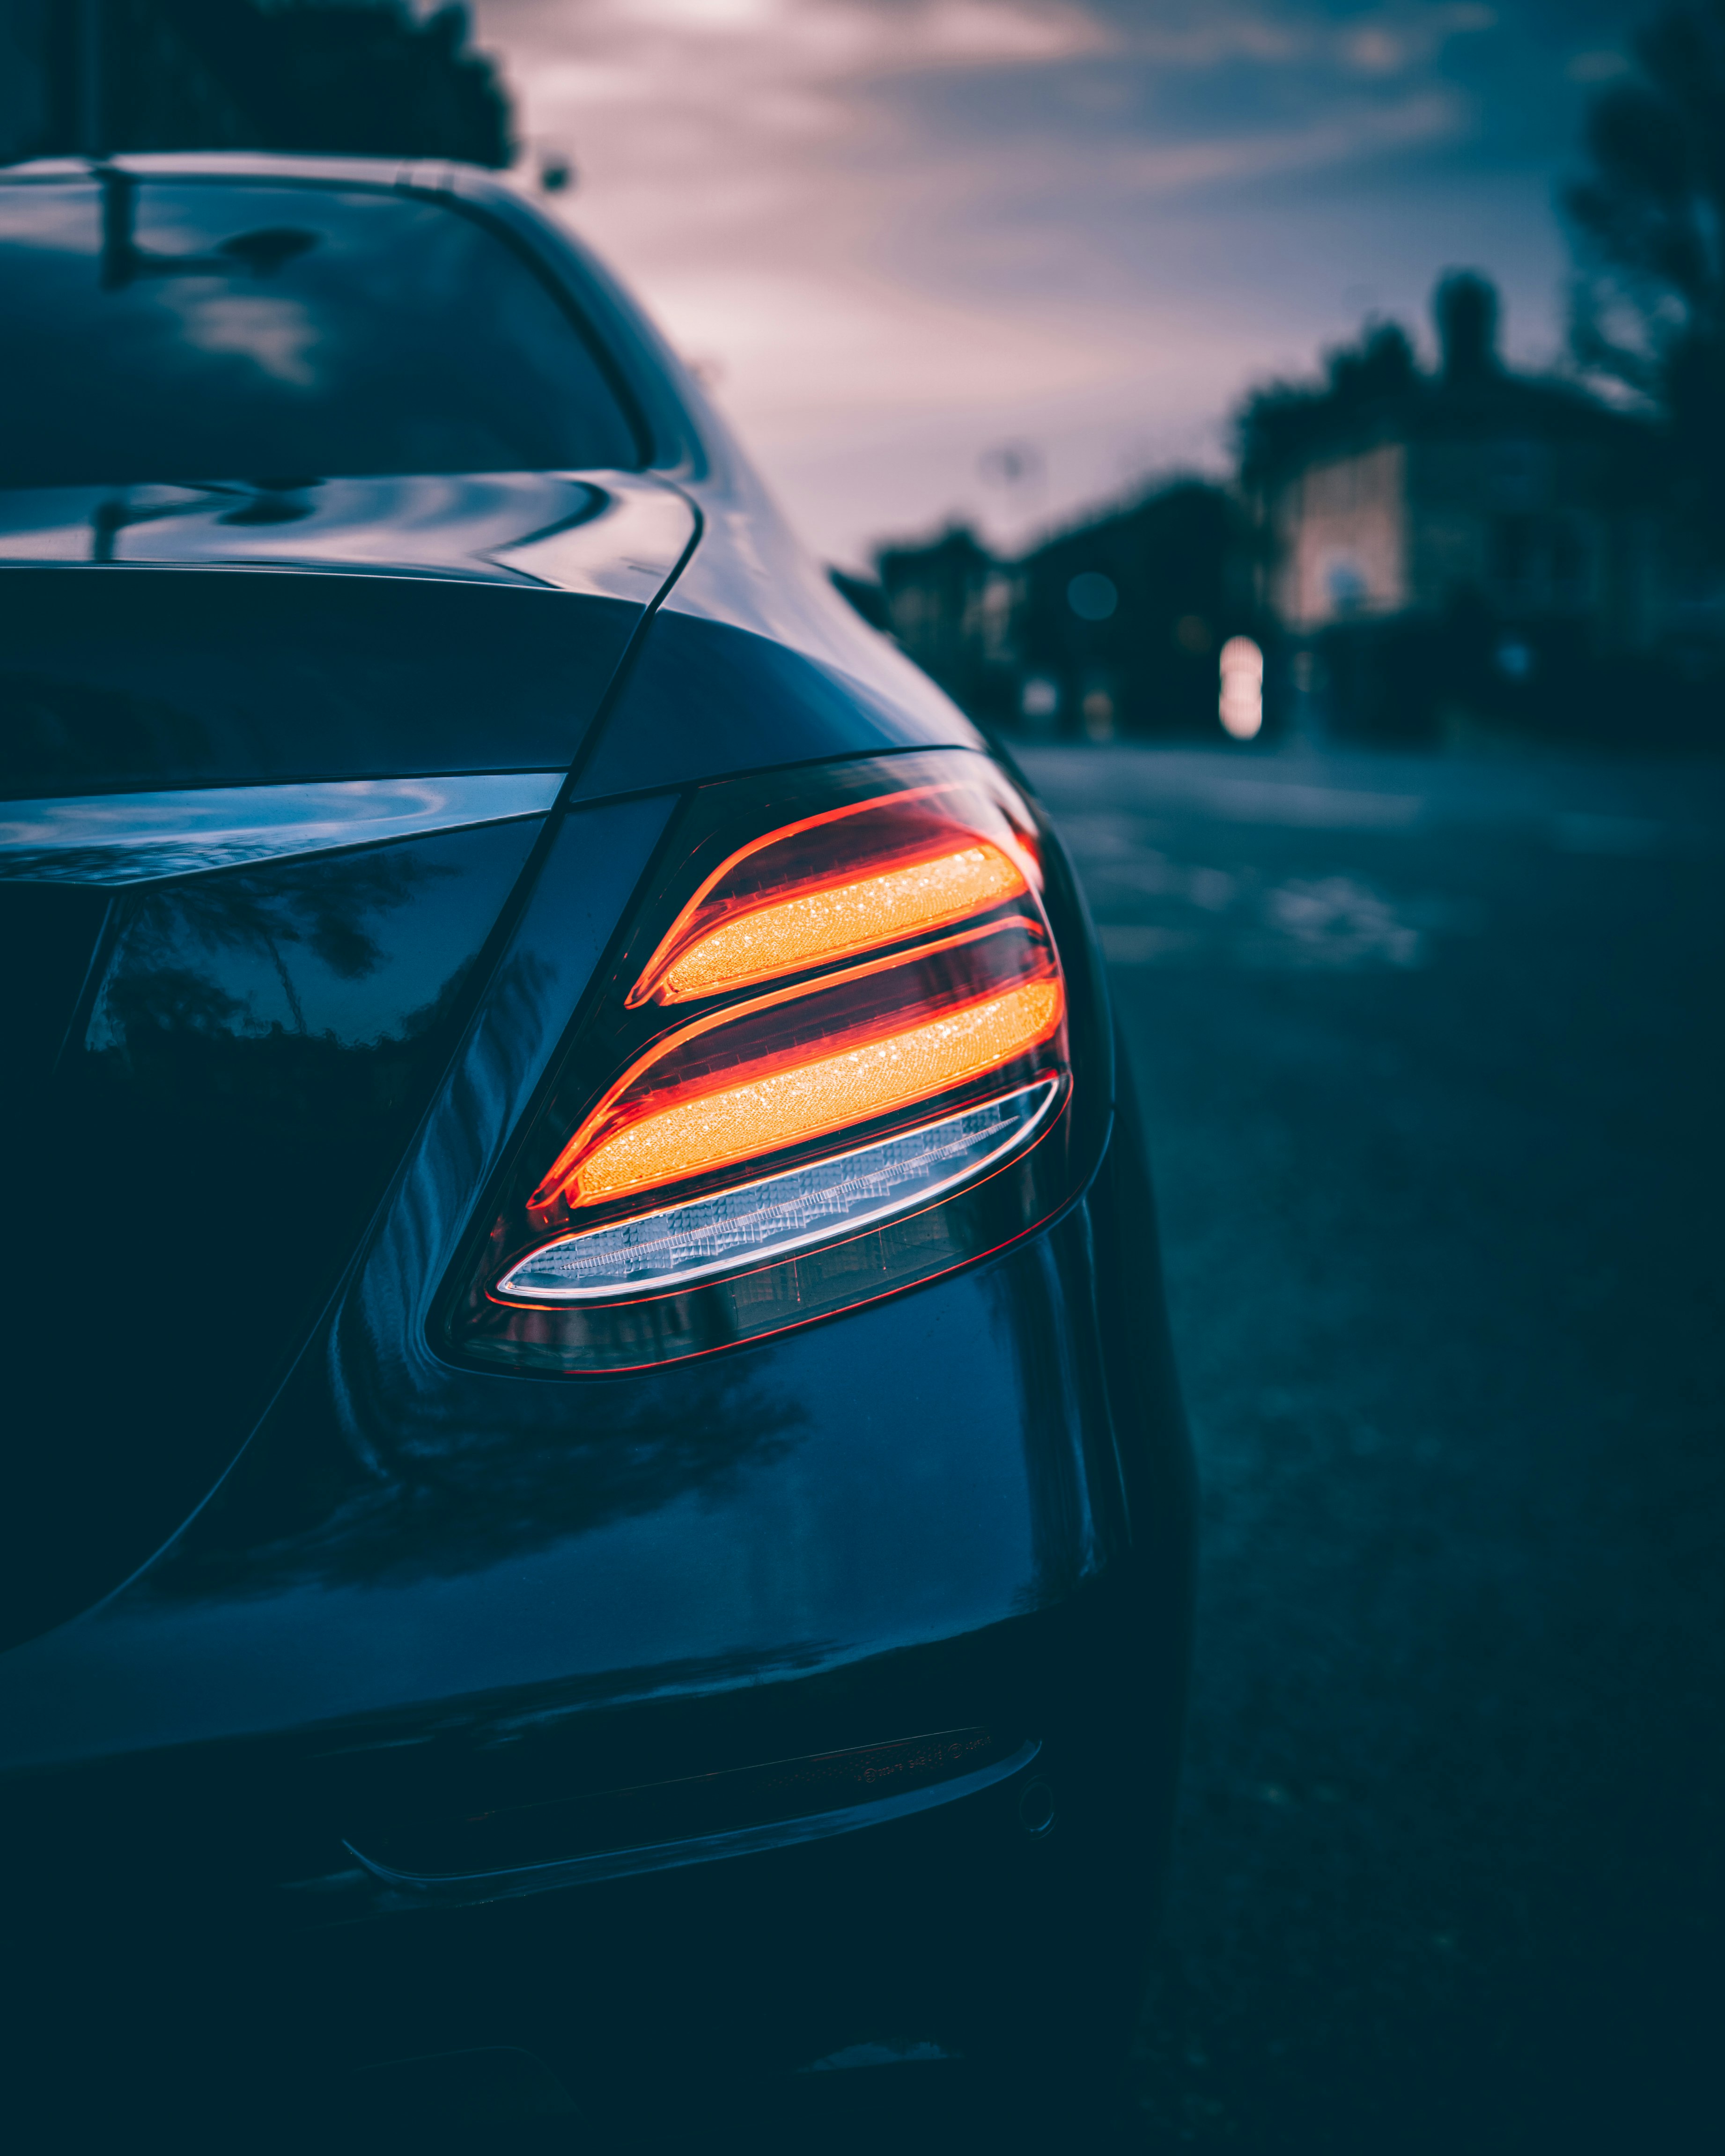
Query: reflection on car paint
[112, 839]
[608, 535]
[252, 1050]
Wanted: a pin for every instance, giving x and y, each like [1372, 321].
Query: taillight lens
[833, 885]
[825, 1064]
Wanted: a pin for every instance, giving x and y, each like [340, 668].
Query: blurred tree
[367, 76]
[1277, 424]
[1649, 223]
[352, 77]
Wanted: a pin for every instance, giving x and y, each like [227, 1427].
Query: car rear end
[597, 1505]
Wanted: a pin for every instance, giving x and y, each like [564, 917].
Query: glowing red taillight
[840, 920]
[801, 1095]
[834, 886]
[852, 1014]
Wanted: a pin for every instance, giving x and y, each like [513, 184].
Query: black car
[595, 1512]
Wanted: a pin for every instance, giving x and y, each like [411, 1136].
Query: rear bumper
[999, 1542]
[650, 1989]
[173, 1970]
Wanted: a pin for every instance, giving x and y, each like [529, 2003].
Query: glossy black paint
[704, 698]
[422, 1592]
[218, 1075]
[116, 679]
[49, 937]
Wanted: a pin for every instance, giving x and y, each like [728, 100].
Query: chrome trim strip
[415, 1890]
[140, 837]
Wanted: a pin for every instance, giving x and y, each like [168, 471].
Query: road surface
[1432, 1055]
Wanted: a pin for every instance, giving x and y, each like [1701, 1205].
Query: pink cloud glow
[895, 232]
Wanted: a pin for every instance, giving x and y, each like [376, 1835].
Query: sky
[1007, 261]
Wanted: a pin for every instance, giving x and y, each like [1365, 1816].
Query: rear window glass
[173, 330]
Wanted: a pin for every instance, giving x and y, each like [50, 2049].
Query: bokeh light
[1241, 708]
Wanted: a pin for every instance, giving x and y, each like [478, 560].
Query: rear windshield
[177, 330]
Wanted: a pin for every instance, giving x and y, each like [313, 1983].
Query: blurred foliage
[1282, 423]
[1172, 579]
[1649, 225]
[341, 77]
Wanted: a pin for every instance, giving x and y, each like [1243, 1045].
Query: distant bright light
[1040, 698]
[1242, 709]
[1515, 658]
[1240, 655]
[1098, 710]
[1092, 595]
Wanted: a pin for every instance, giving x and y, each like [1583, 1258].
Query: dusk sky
[898, 234]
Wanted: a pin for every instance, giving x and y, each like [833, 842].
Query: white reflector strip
[781, 1214]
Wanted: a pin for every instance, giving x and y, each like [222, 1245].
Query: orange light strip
[808, 1100]
[842, 921]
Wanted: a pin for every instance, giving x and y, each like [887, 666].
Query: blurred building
[365, 77]
[950, 604]
[1124, 616]
[1113, 627]
[1477, 546]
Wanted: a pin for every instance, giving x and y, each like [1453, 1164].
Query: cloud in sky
[898, 232]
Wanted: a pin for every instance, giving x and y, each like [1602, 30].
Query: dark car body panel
[385, 1593]
[250, 1052]
[348, 634]
[705, 700]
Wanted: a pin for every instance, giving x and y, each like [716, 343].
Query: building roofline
[1438, 412]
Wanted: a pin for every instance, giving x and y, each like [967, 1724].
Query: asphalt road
[1433, 1061]
[1432, 1055]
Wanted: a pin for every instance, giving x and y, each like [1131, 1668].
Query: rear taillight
[824, 1065]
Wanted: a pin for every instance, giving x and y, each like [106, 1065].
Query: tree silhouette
[1280, 424]
[358, 77]
[1649, 223]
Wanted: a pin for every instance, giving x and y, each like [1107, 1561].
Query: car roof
[440, 174]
